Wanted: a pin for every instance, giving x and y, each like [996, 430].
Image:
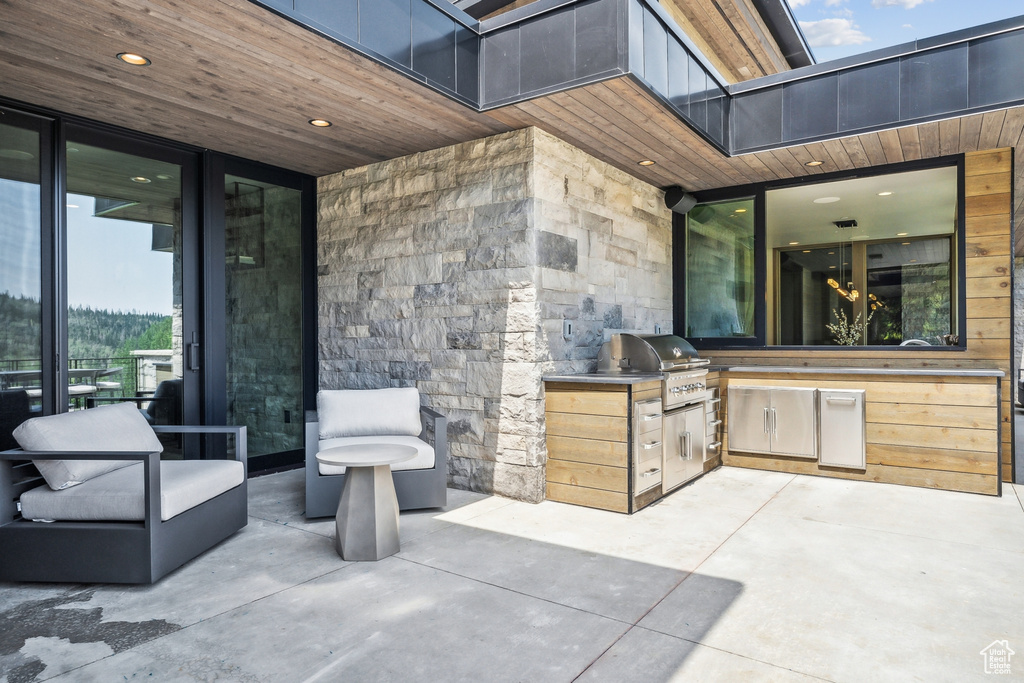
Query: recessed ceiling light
[807, 251]
[320, 123]
[133, 59]
[826, 200]
[905, 243]
[913, 260]
[832, 267]
[884, 194]
[141, 179]
[793, 244]
[19, 154]
[902, 234]
[814, 163]
[646, 162]
[741, 210]
[164, 176]
[831, 253]
[73, 149]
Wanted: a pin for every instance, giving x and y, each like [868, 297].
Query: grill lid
[647, 353]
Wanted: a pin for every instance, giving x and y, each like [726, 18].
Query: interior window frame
[759, 192]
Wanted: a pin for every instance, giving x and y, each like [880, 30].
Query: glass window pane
[720, 269]
[814, 292]
[909, 291]
[124, 235]
[20, 279]
[264, 313]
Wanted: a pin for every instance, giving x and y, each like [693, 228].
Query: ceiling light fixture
[905, 244]
[164, 176]
[320, 123]
[19, 154]
[884, 194]
[741, 210]
[814, 163]
[826, 200]
[902, 234]
[133, 59]
[141, 179]
[793, 244]
[646, 162]
[807, 251]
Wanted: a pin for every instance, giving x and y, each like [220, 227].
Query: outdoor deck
[744, 575]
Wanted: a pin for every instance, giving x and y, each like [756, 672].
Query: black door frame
[203, 285]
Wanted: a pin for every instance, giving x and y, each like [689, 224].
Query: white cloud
[910, 26]
[905, 4]
[833, 32]
[833, 3]
[798, 3]
[843, 12]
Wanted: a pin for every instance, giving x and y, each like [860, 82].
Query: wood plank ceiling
[226, 75]
[233, 77]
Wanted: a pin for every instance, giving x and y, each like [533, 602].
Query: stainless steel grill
[684, 395]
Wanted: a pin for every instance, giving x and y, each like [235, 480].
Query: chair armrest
[241, 443]
[437, 423]
[18, 454]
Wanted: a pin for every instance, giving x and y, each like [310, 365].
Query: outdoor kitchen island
[605, 439]
[929, 427]
[934, 428]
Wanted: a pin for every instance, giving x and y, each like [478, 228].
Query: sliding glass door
[129, 240]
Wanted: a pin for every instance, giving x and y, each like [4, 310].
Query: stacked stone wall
[452, 270]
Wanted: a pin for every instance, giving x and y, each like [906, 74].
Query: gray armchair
[90, 501]
[350, 417]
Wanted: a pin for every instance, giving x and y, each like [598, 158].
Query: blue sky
[838, 28]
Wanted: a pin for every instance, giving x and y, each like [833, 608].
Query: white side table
[367, 521]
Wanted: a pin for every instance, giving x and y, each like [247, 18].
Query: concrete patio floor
[743, 575]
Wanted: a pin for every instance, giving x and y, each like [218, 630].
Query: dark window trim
[759, 192]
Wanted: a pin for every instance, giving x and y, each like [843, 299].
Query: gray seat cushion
[368, 412]
[112, 428]
[424, 459]
[120, 496]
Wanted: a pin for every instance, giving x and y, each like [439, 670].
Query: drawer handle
[651, 473]
[715, 423]
[653, 444]
[714, 446]
[648, 418]
[715, 400]
[840, 399]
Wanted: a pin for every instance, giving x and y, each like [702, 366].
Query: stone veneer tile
[452, 270]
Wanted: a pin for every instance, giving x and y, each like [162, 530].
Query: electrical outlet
[657, 328]
[568, 329]
[287, 416]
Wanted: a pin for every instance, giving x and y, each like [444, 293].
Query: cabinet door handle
[775, 423]
[653, 444]
[685, 446]
[765, 420]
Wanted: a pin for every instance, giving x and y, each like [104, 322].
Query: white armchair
[355, 417]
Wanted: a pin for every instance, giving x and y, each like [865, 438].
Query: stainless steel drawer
[648, 416]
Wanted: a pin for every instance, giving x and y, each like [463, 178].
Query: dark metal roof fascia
[530, 11]
[881, 54]
[480, 8]
[786, 31]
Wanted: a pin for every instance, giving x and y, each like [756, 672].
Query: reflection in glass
[909, 291]
[20, 279]
[264, 313]
[814, 291]
[124, 282]
[720, 269]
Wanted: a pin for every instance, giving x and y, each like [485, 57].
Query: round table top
[366, 455]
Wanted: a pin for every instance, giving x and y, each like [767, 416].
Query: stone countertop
[823, 370]
[590, 378]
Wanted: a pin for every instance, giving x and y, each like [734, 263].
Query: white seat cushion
[368, 412]
[120, 495]
[424, 459]
[111, 428]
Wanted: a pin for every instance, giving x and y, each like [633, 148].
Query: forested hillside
[91, 334]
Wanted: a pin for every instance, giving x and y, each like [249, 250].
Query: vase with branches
[844, 332]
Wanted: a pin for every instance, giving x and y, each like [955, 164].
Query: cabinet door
[792, 421]
[748, 419]
[684, 446]
[841, 428]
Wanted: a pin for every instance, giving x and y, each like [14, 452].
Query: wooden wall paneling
[910, 142]
[891, 146]
[991, 127]
[929, 138]
[855, 150]
[949, 136]
[970, 132]
[873, 148]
